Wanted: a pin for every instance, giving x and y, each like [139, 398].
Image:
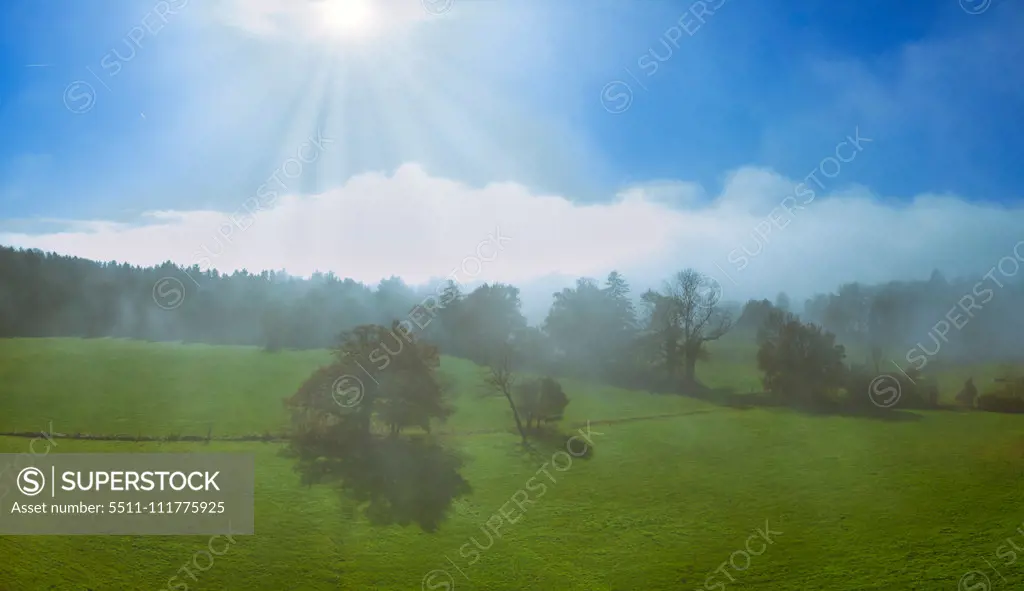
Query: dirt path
[282, 438]
[584, 423]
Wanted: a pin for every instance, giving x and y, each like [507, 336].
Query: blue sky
[734, 107]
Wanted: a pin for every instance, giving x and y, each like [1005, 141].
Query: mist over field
[451, 295]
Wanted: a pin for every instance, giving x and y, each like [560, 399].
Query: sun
[349, 19]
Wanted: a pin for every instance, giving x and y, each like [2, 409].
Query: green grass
[115, 386]
[119, 386]
[861, 504]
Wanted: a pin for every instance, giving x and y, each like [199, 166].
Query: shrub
[1007, 395]
[540, 400]
[1000, 403]
[912, 391]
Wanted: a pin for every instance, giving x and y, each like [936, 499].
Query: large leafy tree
[594, 327]
[801, 363]
[481, 324]
[348, 425]
[572, 322]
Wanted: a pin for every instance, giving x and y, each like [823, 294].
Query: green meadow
[674, 489]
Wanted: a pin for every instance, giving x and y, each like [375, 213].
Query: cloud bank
[762, 234]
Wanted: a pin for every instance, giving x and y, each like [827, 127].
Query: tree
[500, 378]
[572, 323]
[660, 341]
[968, 394]
[621, 319]
[683, 319]
[541, 400]
[619, 327]
[408, 393]
[593, 327]
[847, 314]
[488, 319]
[815, 308]
[890, 317]
[801, 363]
[782, 302]
[347, 426]
[533, 348]
[392, 299]
[754, 314]
[447, 329]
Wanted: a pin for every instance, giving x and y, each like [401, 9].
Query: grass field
[664, 501]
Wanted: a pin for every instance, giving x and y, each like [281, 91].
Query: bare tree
[501, 378]
[686, 316]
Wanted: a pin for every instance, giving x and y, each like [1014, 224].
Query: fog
[965, 319]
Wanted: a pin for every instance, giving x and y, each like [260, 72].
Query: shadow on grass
[393, 480]
[544, 442]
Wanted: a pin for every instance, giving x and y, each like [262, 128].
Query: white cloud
[419, 226]
[408, 223]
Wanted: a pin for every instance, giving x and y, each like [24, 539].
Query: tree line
[593, 329]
